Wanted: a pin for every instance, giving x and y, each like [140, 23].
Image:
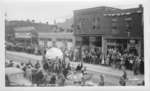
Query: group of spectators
[114, 57]
[125, 59]
[37, 75]
[56, 71]
[48, 75]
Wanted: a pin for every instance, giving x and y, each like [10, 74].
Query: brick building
[108, 27]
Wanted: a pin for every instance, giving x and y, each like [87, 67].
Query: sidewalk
[90, 67]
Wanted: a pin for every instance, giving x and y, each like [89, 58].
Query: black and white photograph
[60, 44]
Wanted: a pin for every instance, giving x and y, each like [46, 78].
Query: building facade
[26, 36]
[107, 27]
[60, 39]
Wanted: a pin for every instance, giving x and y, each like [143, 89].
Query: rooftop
[96, 9]
[28, 28]
[26, 25]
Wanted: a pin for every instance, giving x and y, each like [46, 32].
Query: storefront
[132, 46]
[88, 42]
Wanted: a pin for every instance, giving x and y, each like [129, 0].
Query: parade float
[58, 64]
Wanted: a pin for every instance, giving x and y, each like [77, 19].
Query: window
[94, 27]
[114, 20]
[114, 26]
[128, 19]
[96, 23]
[98, 41]
[79, 25]
[85, 40]
[128, 26]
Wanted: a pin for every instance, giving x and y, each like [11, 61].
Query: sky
[43, 11]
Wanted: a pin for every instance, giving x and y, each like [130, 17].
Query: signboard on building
[23, 35]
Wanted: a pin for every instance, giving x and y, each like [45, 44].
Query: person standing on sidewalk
[142, 66]
[122, 81]
[101, 81]
[124, 74]
[28, 72]
[135, 66]
[37, 65]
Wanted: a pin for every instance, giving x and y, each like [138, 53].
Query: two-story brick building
[109, 27]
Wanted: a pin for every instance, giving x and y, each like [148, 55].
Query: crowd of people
[43, 74]
[49, 72]
[114, 58]
[55, 71]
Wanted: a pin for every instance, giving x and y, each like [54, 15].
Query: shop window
[78, 42]
[85, 40]
[98, 41]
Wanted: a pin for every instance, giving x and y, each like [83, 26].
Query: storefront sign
[23, 35]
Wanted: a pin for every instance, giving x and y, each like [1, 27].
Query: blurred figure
[61, 80]
[65, 72]
[79, 67]
[28, 73]
[29, 63]
[38, 76]
[122, 81]
[124, 74]
[53, 79]
[142, 66]
[135, 66]
[11, 63]
[101, 81]
[17, 66]
[84, 71]
[37, 65]
[141, 84]
[46, 66]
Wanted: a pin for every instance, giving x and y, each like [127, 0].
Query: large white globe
[54, 53]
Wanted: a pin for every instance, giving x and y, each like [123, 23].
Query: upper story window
[114, 19]
[96, 23]
[79, 25]
[128, 19]
[114, 24]
[114, 27]
[128, 26]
